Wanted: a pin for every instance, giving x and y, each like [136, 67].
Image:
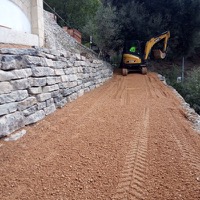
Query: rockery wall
[34, 82]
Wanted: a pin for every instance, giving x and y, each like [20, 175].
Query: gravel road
[129, 139]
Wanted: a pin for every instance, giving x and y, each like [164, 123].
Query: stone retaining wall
[34, 82]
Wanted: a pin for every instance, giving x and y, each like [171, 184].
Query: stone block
[64, 78]
[38, 82]
[72, 59]
[97, 61]
[88, 84]
[69, 71]
[35, 90]
[55, 93]
[3, 109]
[11, 122]
[80, 93]
[78, 56]
[70, 63]
[54, 52]
[52, 57]
[83, 58]
[30, 110]
[79, 82]
[39, 115]
[15, 136]
[68, 85]
[41, 105]
[79, 70]
[6, 75]
[86, 90]
[42, 71]
[63, 53]
[61, 103]
[80, 77]
[10, 62]
[73, 78]
[43, 96]
[72, 97]
[22, 73]
[63, 59]
[58, 98]
[26, 103]
[5, 87]
[50, 109]
[92, 87]
[49, 62]
[76, 89]
[60, 64]
[50, 88]
[49, 102]
[53, 80]
[79, 63]
[59, 72]
[15, 51]
[21, 84]
[13, 96]
[86, 76]
[45, 50]
[33, 60]
[67, 92]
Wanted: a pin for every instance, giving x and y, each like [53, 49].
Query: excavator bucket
[158, 54]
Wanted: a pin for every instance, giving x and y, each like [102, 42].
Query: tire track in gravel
[132, 178]
[151, 91]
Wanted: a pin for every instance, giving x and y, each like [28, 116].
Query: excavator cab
[132, 56]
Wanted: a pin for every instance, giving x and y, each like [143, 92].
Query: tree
[192, 89]
[104, 28]
[75, 13]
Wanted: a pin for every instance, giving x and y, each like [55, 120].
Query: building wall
[25, 16]
[12, 17]
[37, 19]
[24, 5]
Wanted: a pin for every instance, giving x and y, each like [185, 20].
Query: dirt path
[127, 140]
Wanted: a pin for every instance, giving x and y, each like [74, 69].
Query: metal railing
[55, 13]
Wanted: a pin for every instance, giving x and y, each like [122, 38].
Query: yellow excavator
[136, 53]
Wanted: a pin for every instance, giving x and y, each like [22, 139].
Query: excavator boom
[149, 44]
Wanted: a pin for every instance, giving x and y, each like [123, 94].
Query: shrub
[189, 89]
[192, 89]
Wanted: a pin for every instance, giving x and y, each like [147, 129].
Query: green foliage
[192, 87]
[104, 28]
[142, 19]
[115, 60]
[75, 13]
[189, 88]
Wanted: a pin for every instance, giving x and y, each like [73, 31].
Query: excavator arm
[157, 53]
